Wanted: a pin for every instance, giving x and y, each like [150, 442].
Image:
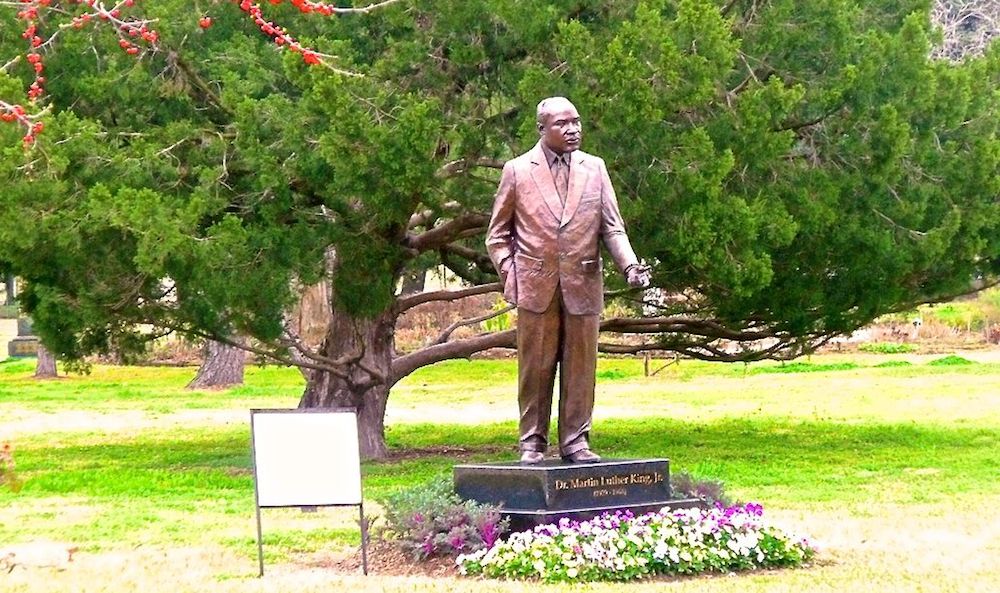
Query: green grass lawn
[893, 469]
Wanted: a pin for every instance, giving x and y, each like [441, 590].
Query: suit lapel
[542, 176]
[577, 181]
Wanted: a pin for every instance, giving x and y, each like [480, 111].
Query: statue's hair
[544, 104]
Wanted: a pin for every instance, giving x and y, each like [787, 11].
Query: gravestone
[26, 343]
[543, 493]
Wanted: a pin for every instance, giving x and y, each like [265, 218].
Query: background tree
[45, 367]
[790, 170]
[10, 296]
[222, 365]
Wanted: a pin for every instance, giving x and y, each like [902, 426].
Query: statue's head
[559, 124]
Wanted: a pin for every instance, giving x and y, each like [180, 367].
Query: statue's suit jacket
[552, 245]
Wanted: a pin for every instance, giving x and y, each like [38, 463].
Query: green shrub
[684, 485]
[503, 321]
[887, 348]
[804, 367]
[950, 360]
[893, 363]
[431, 520]
[963, 316]
[612, 374]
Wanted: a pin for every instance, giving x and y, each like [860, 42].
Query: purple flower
[428, 546]
[490, 534]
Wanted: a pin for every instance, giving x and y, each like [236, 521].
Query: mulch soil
[386, 559]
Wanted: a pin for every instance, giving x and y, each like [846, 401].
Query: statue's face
[560, 127]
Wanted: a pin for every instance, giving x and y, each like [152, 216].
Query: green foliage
[684, 485]
[805, 367]
[965, 316]
[612, 374]
[893, 363]
[949, 361]
[430, 520]
[502, 321]
[801, 168]
[887, 347]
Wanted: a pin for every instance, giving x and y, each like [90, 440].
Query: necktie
[561, 177]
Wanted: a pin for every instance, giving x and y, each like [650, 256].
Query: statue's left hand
[637, 276]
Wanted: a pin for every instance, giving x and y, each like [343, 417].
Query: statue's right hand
[505, 266]
[509, 279]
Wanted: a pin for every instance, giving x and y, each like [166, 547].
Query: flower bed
[621, 546]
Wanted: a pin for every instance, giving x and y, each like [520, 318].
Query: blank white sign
[306, 458]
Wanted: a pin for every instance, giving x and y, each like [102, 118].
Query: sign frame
[304, 505]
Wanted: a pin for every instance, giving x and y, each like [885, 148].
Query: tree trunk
[223, 366]
[10, 289]
[372, 341]
[46, 366]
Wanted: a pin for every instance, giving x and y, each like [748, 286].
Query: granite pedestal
[538, 494]
[26, 343]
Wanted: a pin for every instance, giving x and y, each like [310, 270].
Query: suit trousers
[545, 340]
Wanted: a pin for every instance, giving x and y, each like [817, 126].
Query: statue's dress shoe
[582, 456]
[532, 457]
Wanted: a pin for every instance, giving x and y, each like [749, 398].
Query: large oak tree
[790, 170]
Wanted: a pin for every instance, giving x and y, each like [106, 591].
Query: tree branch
[474, 276]
[409, 302]
[300, 362]
[481, 260]
[180, 65]
[460, 166]
[728, 6]
[363, 9]
[913, 233]
[12, 61]
[429, 215]
[446, 232]
[406, 364]
[465, 322]
[795, 126]
[683, 325]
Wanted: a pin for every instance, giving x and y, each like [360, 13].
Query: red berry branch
[281, 37]
[277, 33]
[16, 113]
[133, 33]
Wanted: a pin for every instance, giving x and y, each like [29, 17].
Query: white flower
[571, 573]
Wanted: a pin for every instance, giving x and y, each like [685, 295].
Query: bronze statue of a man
[554, 206]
